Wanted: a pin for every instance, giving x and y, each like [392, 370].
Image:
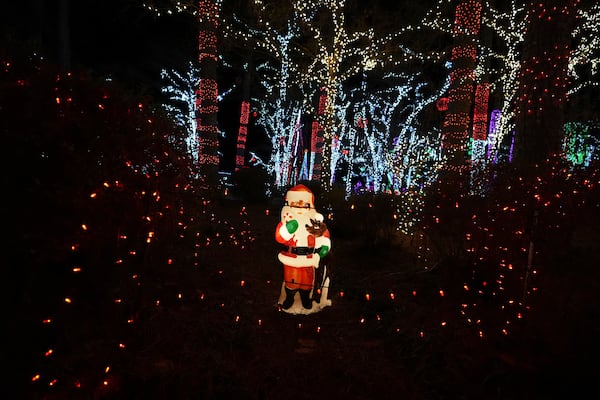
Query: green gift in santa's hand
[291, 226]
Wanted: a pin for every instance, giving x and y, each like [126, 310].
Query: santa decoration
[306, 239]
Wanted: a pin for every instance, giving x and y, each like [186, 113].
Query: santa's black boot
[306, 300]
[289, 298]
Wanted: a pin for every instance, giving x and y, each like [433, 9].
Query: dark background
[111, 37]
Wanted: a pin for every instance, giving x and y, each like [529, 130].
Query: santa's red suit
[305, 244]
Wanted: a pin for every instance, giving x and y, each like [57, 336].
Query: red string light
[243, 131]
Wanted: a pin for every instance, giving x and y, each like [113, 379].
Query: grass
[208, 327]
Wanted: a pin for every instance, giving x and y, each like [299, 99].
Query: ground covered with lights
[124, 280]
[205, 324]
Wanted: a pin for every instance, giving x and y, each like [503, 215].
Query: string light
[504, 251]
[579, 146]
[206, 93]
[480, 113]
[242, 133]
[324, 69]
[586, 52]
[316, 139]
[509, 26]
[457, 122]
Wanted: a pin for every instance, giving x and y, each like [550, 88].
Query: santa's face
[299, 211]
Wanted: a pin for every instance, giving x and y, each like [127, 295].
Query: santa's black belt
[303, 251]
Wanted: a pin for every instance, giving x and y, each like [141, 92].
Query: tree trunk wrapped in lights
[456, 126]
[458, 118]
[240, 155]
[242, 133]
[544, 81]
[316, 140]
[207, 93]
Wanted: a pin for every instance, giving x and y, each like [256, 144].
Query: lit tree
[580, 146]
[285, 141]
[181, 103]
[240, 156]
[544, 80]
[343, 144]
[316, 137]
[370, 139]
[317, 60]
[507, 62]
[207, 105]
[457, 124]
[311, 54]
[415, 158]
[509, 28]
[207, 93]
[586, 50]
[277, 113]
[339, 56]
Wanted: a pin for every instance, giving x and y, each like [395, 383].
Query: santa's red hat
[300, 195]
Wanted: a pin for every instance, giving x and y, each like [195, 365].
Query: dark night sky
[118, 36]
[109, 36]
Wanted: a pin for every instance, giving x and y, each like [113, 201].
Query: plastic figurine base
[297, 306]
